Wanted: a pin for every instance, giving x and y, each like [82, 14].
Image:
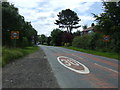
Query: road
[81, 70]
[32, 71]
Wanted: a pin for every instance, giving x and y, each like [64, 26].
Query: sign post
[14, 36]
[106, 39]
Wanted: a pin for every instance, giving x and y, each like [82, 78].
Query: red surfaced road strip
[93, 78]
[95, 81]
[100, 60]
[93, 58]
[101, 68]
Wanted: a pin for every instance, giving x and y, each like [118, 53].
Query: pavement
[74, 69]
[32, 71]
[57, 67]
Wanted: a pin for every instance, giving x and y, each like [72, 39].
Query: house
[87, 31]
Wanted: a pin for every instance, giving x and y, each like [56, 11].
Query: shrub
[82, 42]
[115, 42]
[90, 41]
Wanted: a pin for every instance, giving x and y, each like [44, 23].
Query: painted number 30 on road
[73, 65]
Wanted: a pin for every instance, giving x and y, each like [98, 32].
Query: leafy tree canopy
[109, 21]
[67, 19]
[13, 21]
[42, 38]
[56, 35]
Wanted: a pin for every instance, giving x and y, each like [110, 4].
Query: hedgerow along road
[74, 69]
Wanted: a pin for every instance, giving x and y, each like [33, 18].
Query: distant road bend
[74, 69]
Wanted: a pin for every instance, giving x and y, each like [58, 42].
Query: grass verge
[10, 54]
[105, 54]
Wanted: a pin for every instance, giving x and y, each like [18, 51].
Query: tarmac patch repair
[73, 65]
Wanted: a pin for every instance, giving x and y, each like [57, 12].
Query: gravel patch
[32, 71]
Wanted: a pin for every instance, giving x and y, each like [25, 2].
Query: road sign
[14, 34]
[106, 38]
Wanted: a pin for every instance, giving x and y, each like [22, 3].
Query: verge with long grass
[94, 52]
[10, 54]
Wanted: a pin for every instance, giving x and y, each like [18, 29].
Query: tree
[67, 19]
[13, 21]
[56, 37]
[77, 33]
[67, 37]
[48, 40]
[110, 18]
[42, 39]
[84, 27]
[92, 25]
[109, 23]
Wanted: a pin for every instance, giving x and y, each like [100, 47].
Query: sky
[43, 13]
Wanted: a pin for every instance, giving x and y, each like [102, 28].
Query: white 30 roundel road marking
[73, 65]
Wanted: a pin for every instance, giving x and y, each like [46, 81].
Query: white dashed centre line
[106, 68]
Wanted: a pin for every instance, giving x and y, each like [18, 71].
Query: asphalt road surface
[74, 69]
[32, 71]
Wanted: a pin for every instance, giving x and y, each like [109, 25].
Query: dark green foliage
[25, 41]
[84, 27]
[90, 41]
[56, 37]
[115, 42]
[67, 19]
[42, 39]
[82, 42]
[13, 21]
[77, 33]
[95, 41]
[109, 24]
[109, 19]
[92, 25]
[48, 40]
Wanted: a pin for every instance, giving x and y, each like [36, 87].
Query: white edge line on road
[106, 68]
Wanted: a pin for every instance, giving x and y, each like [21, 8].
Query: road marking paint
[73, 65]
[106, 68]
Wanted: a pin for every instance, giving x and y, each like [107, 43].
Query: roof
[90, 28]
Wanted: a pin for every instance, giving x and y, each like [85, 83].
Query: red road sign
[14, 34]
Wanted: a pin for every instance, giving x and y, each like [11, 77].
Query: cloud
[26, 3]
[86, 18]
[43, 13]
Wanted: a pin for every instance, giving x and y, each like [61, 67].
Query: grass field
[10, 54]
[105, 54]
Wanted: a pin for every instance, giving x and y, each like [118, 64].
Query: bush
[115, 42]
[95, 41]
[90, 41]
[82, 41]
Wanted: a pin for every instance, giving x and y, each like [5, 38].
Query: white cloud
[43, 13]
[26, 3]
[86, 18]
